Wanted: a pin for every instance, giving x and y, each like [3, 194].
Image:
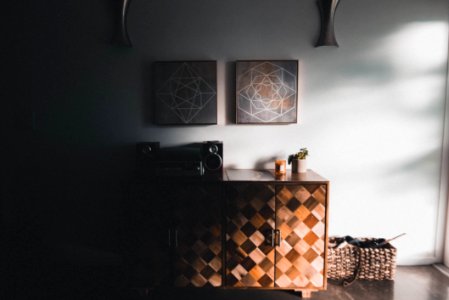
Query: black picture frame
[185, 92]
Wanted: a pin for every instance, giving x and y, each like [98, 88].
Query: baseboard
[442, 268]
[418, 261]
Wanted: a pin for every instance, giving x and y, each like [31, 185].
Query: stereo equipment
[212, 157]
[147, 153]
[179, 168]
[194, 160]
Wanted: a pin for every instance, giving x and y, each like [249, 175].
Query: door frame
[442, 249]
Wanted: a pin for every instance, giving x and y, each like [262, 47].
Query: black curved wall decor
[327, 12]
[122, 35]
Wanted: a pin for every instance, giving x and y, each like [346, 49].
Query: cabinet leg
[306, 294]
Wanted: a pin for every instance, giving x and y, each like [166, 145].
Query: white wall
[371, 111]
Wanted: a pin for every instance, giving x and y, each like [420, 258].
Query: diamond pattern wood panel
[250, 219]
[144, 241]
[301, 219]
[198, 239]
[192, 255]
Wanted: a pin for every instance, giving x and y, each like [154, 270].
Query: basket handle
[348, 282]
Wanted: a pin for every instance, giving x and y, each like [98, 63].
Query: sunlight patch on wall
[383, 136]
[418, 46]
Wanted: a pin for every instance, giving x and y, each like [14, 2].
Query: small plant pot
[299, 166]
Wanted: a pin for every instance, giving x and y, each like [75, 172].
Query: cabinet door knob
[176, 238]
[172, 238]
[277, 234]
[270, 237]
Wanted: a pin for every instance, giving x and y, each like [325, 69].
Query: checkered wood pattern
[250, 220]
[198, 251]
[145, 238]
[301, 219]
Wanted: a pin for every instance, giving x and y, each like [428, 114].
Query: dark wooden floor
[411, 283]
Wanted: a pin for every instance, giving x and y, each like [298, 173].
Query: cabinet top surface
[269, 176]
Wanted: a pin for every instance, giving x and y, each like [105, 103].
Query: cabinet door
[145, 238]
[301, 220]
[250, 221]
[197, 235]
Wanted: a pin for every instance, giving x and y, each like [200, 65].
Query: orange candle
[280, 167]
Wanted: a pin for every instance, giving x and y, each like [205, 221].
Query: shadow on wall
[147, 94]
[265, 163]
[230, 93]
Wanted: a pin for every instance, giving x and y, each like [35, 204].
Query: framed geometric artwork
[185, 92]
[266, 92]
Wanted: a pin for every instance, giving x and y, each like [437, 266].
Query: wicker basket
[350, 262]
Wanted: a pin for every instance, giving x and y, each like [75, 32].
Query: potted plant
[298, 161]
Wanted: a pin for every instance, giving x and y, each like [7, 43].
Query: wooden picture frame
[267, 92]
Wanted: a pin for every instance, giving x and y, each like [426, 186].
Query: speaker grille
[213, 157]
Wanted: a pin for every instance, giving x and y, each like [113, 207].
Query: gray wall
[370, 112]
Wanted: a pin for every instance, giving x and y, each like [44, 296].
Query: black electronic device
[179, 168]
[194, 160]
[147, 153]
[212, 157]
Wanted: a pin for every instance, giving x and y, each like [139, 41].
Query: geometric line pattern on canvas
[186, 93]
[301, 219]
[198, 253]
[268, 95]
[250, 219]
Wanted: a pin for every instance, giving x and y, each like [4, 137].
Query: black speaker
[212, 157]
[147, 153]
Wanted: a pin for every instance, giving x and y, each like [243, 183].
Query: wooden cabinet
[250, 227]
[197, 236]
[301, 210]
[173, 234]
[145, 237]
[250, 230]
[276, 234]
